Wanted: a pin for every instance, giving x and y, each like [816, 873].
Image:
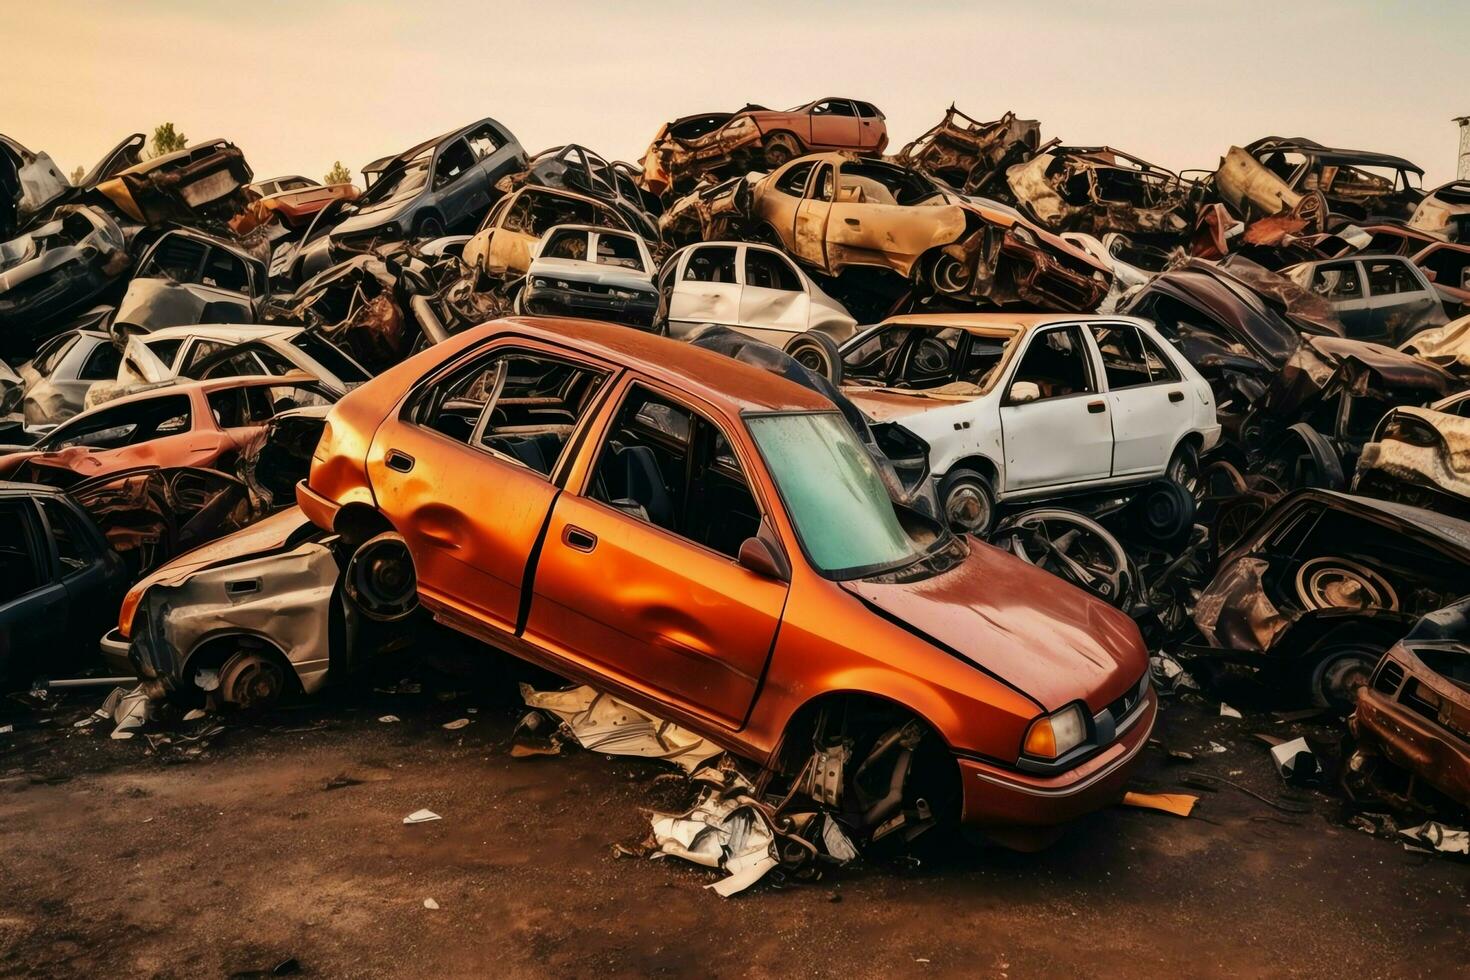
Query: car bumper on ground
[550, 301]
[114, 649]
[997, 799]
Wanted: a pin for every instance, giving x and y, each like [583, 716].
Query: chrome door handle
[402, 462]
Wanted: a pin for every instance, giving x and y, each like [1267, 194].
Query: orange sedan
[713, 543]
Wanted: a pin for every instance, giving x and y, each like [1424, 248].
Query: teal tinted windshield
[832, 492]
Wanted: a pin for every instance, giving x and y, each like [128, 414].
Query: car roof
[1300, 144]
[234, 332]
[600, 229]
[207, 387]
[723, 381]
[1020, 322]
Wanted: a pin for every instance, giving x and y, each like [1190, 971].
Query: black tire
[969, 501]
[780, 149]
[1184, 470]
[817, 352]
[428, 227]
[1340, 669]
[380, 579]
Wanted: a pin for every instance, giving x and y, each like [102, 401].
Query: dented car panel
[205, 179]
[1445, 212]
[1415, 712]
[28, 182]
[502, 246]
[1274, 174]
[1098, 189]
[55, 269]
[970, 155]
[188, 277]
[1418, 456]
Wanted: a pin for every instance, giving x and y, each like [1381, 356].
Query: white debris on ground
[129, 710]
[601, 723]
[726, 829]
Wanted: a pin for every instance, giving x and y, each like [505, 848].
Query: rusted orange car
[200, 424]
[712, 543]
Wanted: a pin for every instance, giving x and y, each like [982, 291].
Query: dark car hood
[1050, 640]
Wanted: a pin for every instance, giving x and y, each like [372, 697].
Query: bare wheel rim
[967, 507]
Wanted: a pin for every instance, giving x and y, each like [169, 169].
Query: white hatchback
[758, 291]
[1026, 406]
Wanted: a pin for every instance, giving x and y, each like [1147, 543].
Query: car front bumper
[550, 301]
[1006, 800]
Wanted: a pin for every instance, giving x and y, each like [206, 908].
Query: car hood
[370, 217]
[886, 404]
[1049, 639]
[595, 272]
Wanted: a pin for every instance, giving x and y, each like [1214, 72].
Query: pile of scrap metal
[972, 156]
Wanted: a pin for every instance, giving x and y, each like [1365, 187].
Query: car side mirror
[757, 555]
[1431, 275]
[1024, 391]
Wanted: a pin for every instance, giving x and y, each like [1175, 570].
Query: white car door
[773, 301]
[1146, 399]
[1054, 419]
[707, 289]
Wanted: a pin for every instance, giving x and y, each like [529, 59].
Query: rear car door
[810, 234]
[773, 299]
[707, 289]
[1398, 298]
[835, 124]
[1145, 399]
[86, 570]
[1341, 284]
[638, 577]
[465, 469]
[459, 186]
[1063, 434]
[33, 602]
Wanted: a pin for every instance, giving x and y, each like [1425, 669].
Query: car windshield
[395, 188]
[832, 490]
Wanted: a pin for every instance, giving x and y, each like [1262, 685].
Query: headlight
[540, 283]
[625, 294]
[129, 611]
[563, 284]
[1053, 736]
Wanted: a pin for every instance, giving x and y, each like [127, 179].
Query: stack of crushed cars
[175, 331]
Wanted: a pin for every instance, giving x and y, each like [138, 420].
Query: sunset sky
[298, 85]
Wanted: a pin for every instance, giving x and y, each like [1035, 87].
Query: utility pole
[1462, 171]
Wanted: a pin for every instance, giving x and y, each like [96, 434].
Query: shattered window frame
[1038, 337]
[28, 551]
[110, 417]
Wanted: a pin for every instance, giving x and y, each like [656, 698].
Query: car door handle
[402, 462]
[1176, 396]
[854, 222]
[1096, 407]
[578, 539]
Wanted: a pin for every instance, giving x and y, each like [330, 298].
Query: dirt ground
[119, 861]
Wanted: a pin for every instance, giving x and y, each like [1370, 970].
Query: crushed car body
[969, 155]
[1098, 189]
[56, 268]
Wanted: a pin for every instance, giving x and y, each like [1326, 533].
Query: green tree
[166, 139]
[77, 175]
[338, 174]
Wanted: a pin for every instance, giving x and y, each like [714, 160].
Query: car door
[835, 124]
[707, 288]
[33, 602]
[1145, 397]
[1341, 284]
[470, 497]
[458, 185]
[638, 576]
[872, 132]
[773, 301]
[1398, 298]
[809, 237]
[86, 572]
[1054, 420]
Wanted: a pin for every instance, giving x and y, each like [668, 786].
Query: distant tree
[77, 175]
[338, 174]
[166, 139]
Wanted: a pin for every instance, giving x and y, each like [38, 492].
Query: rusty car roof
[1018, 322]
[720, 380]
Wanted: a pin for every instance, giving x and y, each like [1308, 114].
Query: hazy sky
[300, 84]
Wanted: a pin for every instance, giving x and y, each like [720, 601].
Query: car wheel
[948, 275]
[969, 502]
[1072, 547]
[252, 680]
[1340, 671]
[817, 352]
[380, 579]
[903, 782]
[1184, 470]
[781, 148]
[428, 228]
